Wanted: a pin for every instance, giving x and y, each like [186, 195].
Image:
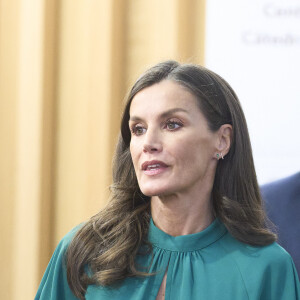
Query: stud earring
[220, 155]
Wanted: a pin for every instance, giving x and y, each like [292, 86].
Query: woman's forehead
[163, 96]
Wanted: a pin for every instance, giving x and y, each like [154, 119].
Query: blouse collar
[186, 243]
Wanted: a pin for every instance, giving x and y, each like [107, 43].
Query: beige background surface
[65, 67]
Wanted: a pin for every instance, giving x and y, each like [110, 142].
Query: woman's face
[171, 146]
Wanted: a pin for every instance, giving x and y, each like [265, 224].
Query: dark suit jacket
[282, 201]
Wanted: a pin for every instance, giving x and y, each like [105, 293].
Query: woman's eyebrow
[162, 115]
[172, 111]
[135, 118]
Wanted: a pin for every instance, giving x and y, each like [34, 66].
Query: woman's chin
[151, 192]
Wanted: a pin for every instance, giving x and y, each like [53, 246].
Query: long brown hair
[109, 242]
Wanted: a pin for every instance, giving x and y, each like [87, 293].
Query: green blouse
[210, 264]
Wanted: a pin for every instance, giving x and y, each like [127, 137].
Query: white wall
[255, 46]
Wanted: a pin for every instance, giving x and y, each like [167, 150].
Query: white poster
[255, 46]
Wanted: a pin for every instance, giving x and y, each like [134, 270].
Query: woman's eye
[173, 125]
[138, 130]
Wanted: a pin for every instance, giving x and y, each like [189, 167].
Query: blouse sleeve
[294, 283]
[285, 282]
[54, 284]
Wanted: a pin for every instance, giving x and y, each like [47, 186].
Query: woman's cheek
[135, 150]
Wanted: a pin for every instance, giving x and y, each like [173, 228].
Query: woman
[185, 219]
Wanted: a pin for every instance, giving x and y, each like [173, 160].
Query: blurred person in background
[282, 201]
[185, 218]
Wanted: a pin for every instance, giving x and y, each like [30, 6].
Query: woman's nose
[152, 142]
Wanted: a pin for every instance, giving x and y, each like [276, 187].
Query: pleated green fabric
[210, 264]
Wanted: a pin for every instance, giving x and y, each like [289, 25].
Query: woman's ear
[224, 139]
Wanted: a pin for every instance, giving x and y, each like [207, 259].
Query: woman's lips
[153, 167]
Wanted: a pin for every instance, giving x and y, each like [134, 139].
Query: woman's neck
[181, 215]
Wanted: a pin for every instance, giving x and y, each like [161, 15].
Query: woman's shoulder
[54, 282]
[272, 255]
[66, 240]
[270, 264]
[64, 243]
